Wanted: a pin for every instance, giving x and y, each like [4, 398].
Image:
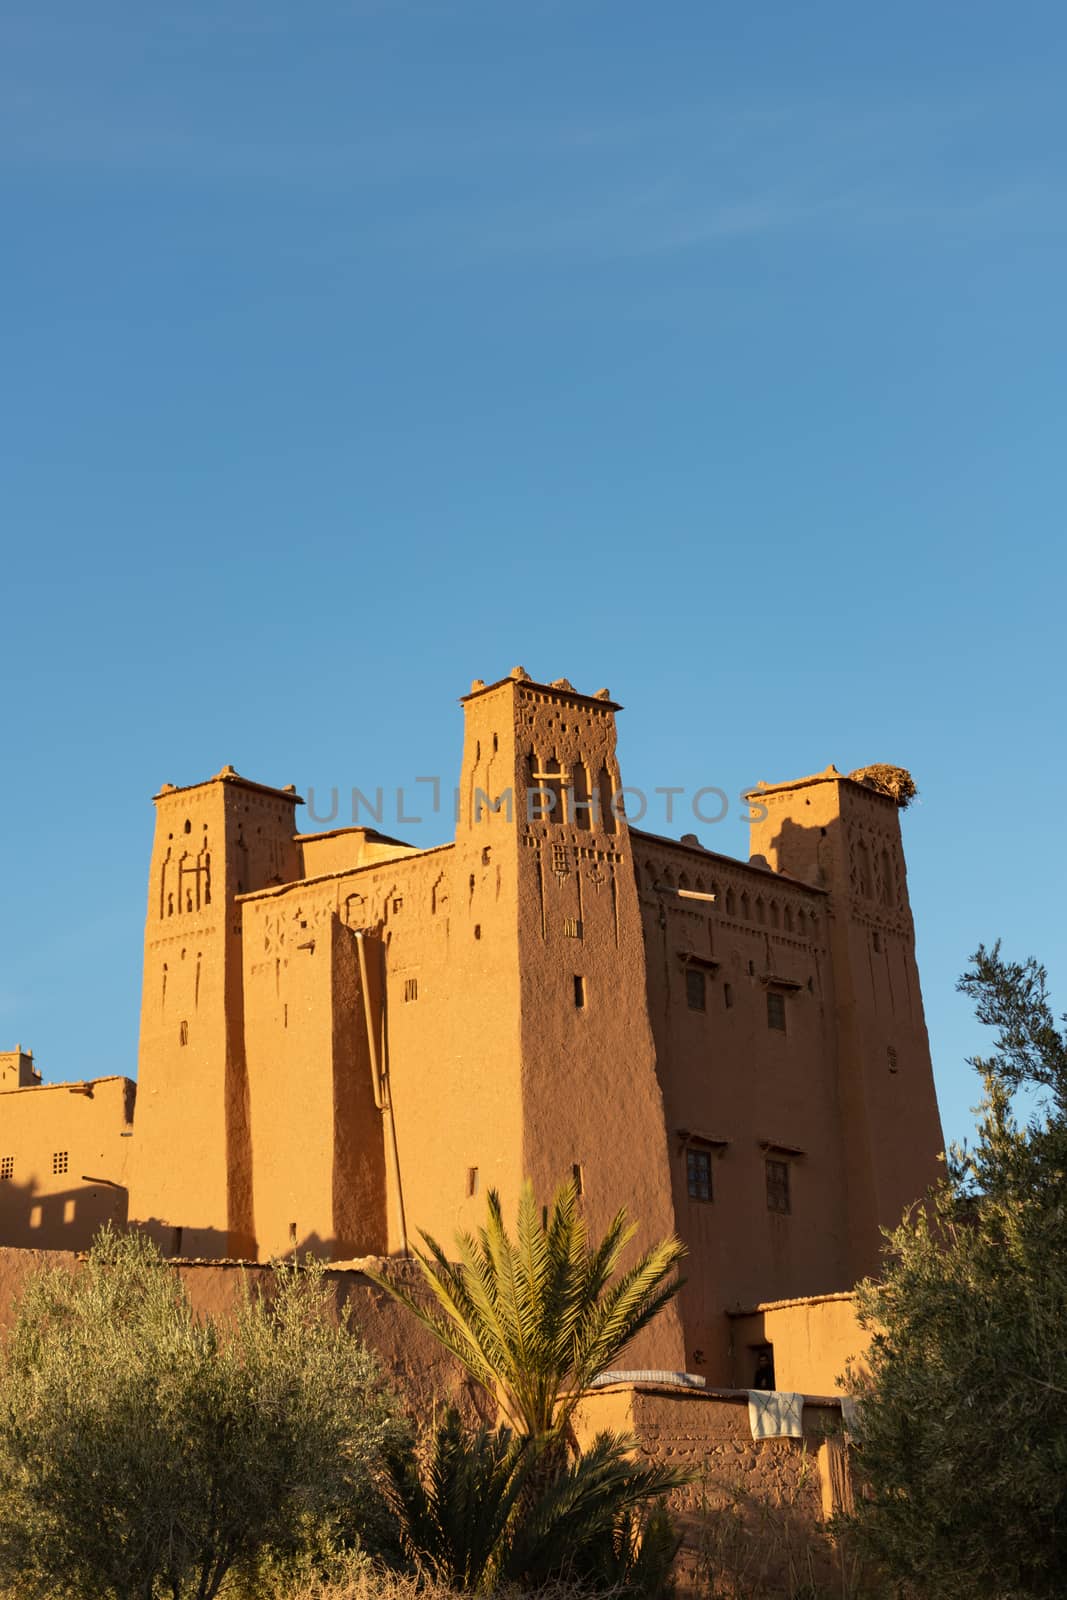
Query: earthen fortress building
[345, 1039]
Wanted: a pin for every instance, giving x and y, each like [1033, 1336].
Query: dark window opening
[579, 991]
[778, 1187]
[7, 1167]
[776, 1010]
[695, 985]
[183, 1033]
[698, 1174]
[763, 1366]
[60, 1162]
[472, 1182]
[727, 995]
[579, 1177]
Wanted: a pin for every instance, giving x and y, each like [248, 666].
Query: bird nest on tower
[896, 782]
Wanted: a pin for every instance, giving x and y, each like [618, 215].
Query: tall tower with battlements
[587, 1060]
[842, 834]
[191, 1181]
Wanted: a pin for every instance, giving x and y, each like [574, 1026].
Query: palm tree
[537, 1319]
[471, 1515]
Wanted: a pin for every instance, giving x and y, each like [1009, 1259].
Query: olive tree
[963, 1418]
[145, 1453]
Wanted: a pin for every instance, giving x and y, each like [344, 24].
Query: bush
[145, 1454]
[963, 1431]
[483, 1511]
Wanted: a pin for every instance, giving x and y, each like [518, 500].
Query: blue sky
[351, 351]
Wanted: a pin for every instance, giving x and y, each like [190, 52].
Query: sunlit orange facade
[345, 1040]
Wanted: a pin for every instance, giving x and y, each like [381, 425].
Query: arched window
[578, 799]
[546, 799]
[606, 795]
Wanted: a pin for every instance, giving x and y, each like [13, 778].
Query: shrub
[146, 1454]
[481, 1512]
[963, 1423]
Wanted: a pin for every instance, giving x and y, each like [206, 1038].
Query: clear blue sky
[713, 353]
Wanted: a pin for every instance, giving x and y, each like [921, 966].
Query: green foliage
[964, 1415]
[144, 1453]
[600, 1522]
[454, 1513]
[480, 1513]
[536, 1319]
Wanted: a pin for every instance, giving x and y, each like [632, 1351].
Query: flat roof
[336, 833]
[684, 1391]
[698, 851]
[831, 775]
[228, 775]
[784, 1305]
[74, 1083]
[545, 688]
[342, 872]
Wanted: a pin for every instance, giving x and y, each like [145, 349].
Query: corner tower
[843, 834]
[191, 1180]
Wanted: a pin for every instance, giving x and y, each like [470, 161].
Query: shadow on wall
[174, 1240]
[64, 1219]
[178, 1241]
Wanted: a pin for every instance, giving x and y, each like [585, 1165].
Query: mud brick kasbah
[345, 1039]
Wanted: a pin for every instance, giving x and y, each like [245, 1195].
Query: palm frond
[576, 1521]
[536, 1319]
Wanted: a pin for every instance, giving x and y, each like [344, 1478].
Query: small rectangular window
[7, 1167]
[727, 995]
[579, 1177]
[398, 902]
[695, 985]
[60, 1162]
[579, 991]
[183, 1033]
[411, 988]
[778, 1187]
[698, 1174]
[776, 1010]
[472, 1182]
